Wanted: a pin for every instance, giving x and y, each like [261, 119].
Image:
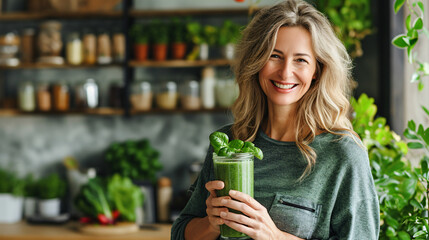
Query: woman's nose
[285, 70]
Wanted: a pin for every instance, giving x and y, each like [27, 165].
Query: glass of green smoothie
[236, 171]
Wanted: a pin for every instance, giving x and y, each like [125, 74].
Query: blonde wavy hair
[325, 106]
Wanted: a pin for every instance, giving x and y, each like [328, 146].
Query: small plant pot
[228, 51]
[178, 50]
[160, 52]
[49, 207]
[10, 208]
[30, 206]
[141, 51]
[204, 51]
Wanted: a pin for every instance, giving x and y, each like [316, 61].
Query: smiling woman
[314, 181]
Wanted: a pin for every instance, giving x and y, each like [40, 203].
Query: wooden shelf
[180, 63]
[16, 16]
[63, 66]
[179, 110]
[97, 111]
[187, 12]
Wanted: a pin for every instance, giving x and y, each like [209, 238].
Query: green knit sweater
[336, 201]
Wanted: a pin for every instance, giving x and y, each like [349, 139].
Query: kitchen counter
[69, 231]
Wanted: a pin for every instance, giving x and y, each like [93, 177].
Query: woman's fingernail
[223, 214]
[232, 192]
[223, 201]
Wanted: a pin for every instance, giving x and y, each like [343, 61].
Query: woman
[314, 181]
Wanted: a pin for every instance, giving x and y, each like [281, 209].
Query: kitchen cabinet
[126, 17]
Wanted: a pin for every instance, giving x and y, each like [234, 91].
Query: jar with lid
[49, 43]
[190, 95]
[104, 51]
[74, 49]
[141, 96]
[87, 94]
[167, 95]
[44, 97]
[118, 47]
[226, 91]
[89, 47]
[27, 45]
[61, 96]
[26, 96]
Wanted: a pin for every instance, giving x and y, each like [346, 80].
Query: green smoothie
[236, 171]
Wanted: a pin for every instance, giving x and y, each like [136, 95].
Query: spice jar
[74, 49]
[141, 96]
[118, 47]
[49, 43]
[89, 48]
[104, 51]
[26, 97]
[166, 98]
[27, 45]
[44, 97]
[189, 95]
[61, 96]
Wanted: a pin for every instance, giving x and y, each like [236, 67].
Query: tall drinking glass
[236, 171]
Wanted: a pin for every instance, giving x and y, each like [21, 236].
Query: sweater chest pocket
[294, 215]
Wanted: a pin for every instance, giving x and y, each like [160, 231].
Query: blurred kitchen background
[89, 103]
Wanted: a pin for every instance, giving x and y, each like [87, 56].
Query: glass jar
[87, 94]
[118, 47]
[74, 49]
[26, 96]
[49, 43]
[189, 95]
[166, 98]
[27, 45]
[104, 51]
[44, 97]
[89, 48]
[61, 97]
[226, 92]
[141, 96]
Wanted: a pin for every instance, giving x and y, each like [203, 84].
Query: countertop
[69, 231]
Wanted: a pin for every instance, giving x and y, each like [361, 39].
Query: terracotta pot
[160, 52]
[178, 50]
[141, 52]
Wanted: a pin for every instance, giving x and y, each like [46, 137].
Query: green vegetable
[223, 147]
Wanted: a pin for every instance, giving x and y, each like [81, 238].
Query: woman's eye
[275, 56]
[301, 60]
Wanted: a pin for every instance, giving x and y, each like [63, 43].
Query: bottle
[74, 49]
[118, 47]
[27, 101]
[43, 97]
[27, 45]
[208, 83]
[89, 48]
[104, 48]
[61, 96]
[165, 193]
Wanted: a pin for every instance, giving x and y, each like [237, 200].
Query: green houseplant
[159, 38]
[140, 35]
[178, 38]
[50, 191]
[137, 160]
[228, 36]
[11, 197]
[202, 36]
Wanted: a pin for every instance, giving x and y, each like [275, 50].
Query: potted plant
[229, 34]
[202, 36]
[159, 39]
[209, 35]
[139, 33]
[178, 38]
[30, 196]
[11, 197]
[50, 191]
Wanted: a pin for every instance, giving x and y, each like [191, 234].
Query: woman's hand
[257, 223]
[214, 206]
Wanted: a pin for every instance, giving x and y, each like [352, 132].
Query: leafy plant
[51, 187]
[30, 188]
[108, 200]
[178, 30]
[223, 147]
[158, 32]
[10, 183]
[351, 19]
[137, 160]
[229, 32]
[200, 34]
[139, 33]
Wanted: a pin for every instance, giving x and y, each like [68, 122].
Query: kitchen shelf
[180, 63]
[63, 66]
[96, 111]
[179, 110]
[17, 16]
[187, 12]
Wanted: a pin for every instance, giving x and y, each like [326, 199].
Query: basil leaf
[218, 140]
[236, 144]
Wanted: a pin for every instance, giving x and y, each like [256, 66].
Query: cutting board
[117, 229]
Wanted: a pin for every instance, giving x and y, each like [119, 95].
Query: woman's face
[288, 73]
